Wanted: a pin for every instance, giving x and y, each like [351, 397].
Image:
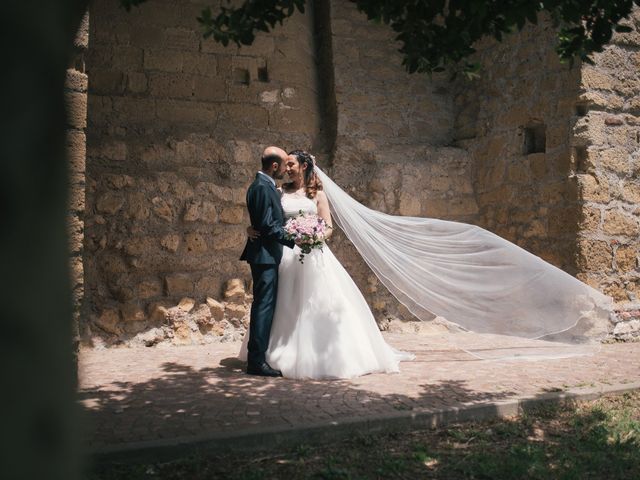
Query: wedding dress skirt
[322, 326]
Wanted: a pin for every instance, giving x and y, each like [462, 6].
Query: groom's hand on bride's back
[252, 233]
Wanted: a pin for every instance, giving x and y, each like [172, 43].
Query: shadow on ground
[185, 402]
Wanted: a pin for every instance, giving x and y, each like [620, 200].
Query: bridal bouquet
[308, 230]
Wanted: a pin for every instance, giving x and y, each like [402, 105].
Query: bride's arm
[323, 211]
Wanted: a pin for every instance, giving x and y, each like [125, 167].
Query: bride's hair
[311, 181]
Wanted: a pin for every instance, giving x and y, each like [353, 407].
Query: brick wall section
[607, 151]
[527, 198]
[176, 127]
[76, 103]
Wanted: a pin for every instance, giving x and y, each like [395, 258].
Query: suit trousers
[265, 291]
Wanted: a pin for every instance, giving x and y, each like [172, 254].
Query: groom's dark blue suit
[263, 255]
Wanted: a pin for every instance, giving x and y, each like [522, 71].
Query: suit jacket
[265, 211]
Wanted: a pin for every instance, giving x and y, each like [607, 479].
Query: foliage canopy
[435, 34]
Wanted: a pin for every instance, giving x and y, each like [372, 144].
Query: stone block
[76, 151]
[616, 291]
[186, 304]
[149, 288]
[163, 60]
[594, 255]
[106, 82]
[233, 215]
[617, 222]
[77, 199]
[202, 315]
[234, 291]
[178, 284]
[216, 308]
[171, 85]
[76, 105]
[170, 242]
[162, 209]
[126, 58]
[591, 217]
[626, 259]
[210, 89]
[76, 81]
[109, 321]
[243, 117]
[631, 193]
[109, 203]
[594, 189]
[159, 311]
[235, 311]
[138, 206]
[137, 82]
[195, 242]
[229, 239]
[208, 213]
[192, 211]
[184, 39]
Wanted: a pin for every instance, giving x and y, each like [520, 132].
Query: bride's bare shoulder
[321, 196]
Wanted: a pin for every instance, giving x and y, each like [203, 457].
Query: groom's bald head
[273, 160]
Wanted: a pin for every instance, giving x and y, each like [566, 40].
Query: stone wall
[539, 153]
[516, 121]
[606, 149]
[176, 127]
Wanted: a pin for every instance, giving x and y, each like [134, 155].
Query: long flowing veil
[474, 279]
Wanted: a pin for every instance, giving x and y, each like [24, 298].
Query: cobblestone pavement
[140, 395]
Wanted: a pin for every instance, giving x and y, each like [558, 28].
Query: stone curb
[282, 437]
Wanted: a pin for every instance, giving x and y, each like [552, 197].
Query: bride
[322, 326]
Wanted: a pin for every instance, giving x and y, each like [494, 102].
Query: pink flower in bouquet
[308, 230]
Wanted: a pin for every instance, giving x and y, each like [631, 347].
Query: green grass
[595, 440]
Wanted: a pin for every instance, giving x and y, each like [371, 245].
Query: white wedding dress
[322, 326]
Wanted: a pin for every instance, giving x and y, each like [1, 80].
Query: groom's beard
[278, 176]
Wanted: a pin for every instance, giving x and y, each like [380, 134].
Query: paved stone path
[141, 396]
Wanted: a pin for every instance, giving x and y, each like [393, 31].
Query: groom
[263, 255]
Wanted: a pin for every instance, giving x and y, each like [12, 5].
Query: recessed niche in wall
[241, 76]
[582, 108]
[263, 74]
[535, 138]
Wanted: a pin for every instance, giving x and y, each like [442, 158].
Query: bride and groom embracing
[308, 319]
